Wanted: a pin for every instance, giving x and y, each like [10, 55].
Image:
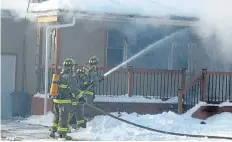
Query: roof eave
[117, 17]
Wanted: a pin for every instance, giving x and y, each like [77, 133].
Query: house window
[114, 57]
[115, 48]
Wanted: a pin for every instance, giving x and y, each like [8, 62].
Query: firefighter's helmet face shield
[68, 68]
[93, 67]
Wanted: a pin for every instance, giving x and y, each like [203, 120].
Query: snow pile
[133, 99]
[107, 128]
[39, 95]
[195, 108]
[125, 99]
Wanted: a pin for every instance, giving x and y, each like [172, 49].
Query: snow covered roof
[112, 9]
[145, 7]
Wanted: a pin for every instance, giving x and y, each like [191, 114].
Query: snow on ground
[227, 103]
[125, 99]
[13, 130]
[134, 99]
[40, 120]
[106, 128]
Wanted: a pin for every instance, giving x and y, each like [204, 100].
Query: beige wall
[30, 53]
[83, 40]
[11, 43]
[12, 38]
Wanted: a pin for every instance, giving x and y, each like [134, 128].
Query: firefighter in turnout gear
[74, 101]
[62, 102]
[77, 112]
[82, 85]
[74, 63]
[92, 78]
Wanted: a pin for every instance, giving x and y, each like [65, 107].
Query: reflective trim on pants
[54, 125]
[62, 129]
[74, 103]
[89, 93]
[80, 121]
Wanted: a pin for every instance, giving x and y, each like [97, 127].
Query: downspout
[48, 28]
[24, 79]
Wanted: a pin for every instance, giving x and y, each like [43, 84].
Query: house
[24, 41]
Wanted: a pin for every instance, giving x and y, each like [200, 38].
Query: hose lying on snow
[155, 130]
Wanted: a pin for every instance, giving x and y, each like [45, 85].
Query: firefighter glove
[101, 78]
[82, 100]
[57, 81]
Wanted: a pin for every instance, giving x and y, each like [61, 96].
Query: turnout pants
[80, 117]
[76, 117]
[72, 116]
[60, 118]
[89, 99]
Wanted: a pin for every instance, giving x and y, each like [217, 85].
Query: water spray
[145, 50]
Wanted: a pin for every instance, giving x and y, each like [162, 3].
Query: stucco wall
[12, 38]
[12, 42]
[83, 40]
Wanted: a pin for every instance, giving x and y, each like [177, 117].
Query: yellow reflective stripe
[80, 121]
[85, 83]
[89, 93]
[80, 95]
[62, 129]
[86, 93]
[54, 125]
[73, 94]
[74, 103]
[61, 101]
[63, 86]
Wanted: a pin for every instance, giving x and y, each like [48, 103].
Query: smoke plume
[215, 15]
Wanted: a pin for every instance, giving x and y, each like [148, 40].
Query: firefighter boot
[83, 125]
[65, 136]
[52, 134]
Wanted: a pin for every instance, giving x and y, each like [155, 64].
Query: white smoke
[216, 20]
[215, 15]
[18, 6]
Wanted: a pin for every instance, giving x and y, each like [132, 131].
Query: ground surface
[14, 130]
[104, 128]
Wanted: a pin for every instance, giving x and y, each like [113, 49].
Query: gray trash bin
[20, 104]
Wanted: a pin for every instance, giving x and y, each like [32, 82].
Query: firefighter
[87, 76]
[74, 63]
[86, 68]
[72, 120]
[62, 102]
[77, 113]
[92, 77]
[82, 85]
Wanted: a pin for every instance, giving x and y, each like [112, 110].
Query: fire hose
[155, 130]
[147, 128]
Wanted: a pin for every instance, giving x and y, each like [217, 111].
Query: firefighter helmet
[67, 63]
[93, 61]
[80, 71]
[73, 60]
